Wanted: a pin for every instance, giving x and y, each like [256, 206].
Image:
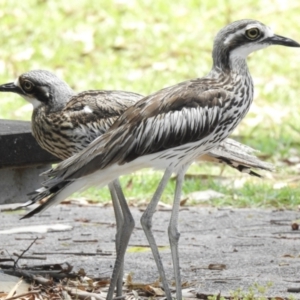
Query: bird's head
[41, 87]
[238, 39]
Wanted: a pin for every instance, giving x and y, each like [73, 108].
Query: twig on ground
[21, 255]
[30, 257]
[74, 253]
[293, 290]
[56, 271]
[23, 295]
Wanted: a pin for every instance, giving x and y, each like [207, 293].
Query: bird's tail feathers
[239, 156]
[58, 190]
[62, 191]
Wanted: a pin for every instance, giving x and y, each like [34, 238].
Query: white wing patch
[87, 110]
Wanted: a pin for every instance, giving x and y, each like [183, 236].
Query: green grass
[255, 292]
[254, 192]
[143, 46]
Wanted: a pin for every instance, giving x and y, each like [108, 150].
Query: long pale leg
[123, 238]
[120, 222]
[146, 221]
[174, 234]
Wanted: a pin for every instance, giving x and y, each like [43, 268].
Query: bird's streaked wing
[167, 119]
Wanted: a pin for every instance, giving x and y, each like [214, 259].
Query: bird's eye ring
[252, 33]
[27, 85]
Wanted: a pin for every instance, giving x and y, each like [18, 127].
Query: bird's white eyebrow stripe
[17, 82]
[269, 32]
[229, 37]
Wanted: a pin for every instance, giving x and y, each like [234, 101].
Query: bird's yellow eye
[27, 85]
[252, 33]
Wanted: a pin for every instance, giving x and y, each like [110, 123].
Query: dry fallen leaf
[155, 291]
[216, 266]
[288, 255]
[295, 226]
[129, 184]
[183, 201]
[83, 220]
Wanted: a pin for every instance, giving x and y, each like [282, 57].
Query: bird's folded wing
[102, 103]
[165, 120]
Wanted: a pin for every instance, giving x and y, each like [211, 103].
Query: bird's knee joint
[146, 222]
[174, 234]
[130, 223]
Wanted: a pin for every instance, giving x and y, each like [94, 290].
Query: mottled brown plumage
[85, 117]
[170, 129]
[65, 126]
[64, 122]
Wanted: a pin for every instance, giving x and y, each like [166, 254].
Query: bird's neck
[59, 100]
[235, 67]
[226, 61]
[238, 65]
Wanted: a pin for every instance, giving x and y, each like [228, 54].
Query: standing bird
[64, 123]
[169, 129]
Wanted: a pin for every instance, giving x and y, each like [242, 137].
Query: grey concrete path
[254, 246]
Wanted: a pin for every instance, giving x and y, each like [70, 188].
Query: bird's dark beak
[11, 87]
[281, 40]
